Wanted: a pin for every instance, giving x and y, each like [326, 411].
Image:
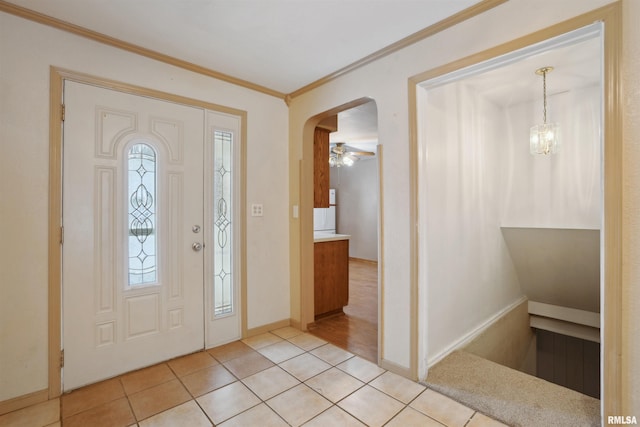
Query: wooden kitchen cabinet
[331, 277]
[321, 168]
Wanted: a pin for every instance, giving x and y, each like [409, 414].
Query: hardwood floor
[357, 329]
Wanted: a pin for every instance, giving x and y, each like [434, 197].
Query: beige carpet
[513, 397]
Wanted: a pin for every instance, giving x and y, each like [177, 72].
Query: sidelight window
[223, 227]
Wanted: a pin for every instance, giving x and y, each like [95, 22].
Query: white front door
[133, 218]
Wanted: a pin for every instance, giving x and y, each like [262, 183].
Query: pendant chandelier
[544, 138]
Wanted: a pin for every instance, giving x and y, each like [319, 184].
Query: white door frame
[57, 76]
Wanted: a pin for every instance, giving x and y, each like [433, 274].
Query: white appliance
[324, 219]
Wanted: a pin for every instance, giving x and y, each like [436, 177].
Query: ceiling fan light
[343, 156]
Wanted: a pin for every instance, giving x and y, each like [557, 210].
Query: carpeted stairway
[513, 397]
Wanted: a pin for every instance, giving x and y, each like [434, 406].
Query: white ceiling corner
[282, 45]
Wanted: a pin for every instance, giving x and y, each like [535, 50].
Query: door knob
[197, 246]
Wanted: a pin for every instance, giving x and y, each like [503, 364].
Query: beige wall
[509, 341]
[27, 50]
[385, 81]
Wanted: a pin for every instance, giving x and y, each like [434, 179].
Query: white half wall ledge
[564, 320]
[581, 317]
[565, 328]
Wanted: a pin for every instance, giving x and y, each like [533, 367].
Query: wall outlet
[256, 209]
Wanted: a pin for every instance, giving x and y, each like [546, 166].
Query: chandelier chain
[544, 97]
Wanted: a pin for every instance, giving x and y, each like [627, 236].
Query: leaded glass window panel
[141, 215]
[222, 224]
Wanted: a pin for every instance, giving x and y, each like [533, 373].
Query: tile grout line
[128, 400]
[193, 398]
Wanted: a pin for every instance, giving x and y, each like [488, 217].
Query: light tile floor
[281, 378]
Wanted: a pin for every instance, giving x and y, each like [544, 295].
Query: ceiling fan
[343, 155]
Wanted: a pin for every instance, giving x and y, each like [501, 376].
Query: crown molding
[41, 18]
[459, 17]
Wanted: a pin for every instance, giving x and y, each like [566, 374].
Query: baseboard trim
[24, 401]
[268, 327]
[467, 338]
[369, 261]
[296, 324]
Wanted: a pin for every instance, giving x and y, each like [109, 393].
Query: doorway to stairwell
[487, 208]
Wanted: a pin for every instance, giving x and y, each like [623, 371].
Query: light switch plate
[256, 209]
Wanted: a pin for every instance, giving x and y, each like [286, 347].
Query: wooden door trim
[57, 77]
[302, 298]
[613, 382]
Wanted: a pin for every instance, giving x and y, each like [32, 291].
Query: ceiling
[575, 65]
[282, 45]
[358, 127]
[576, 59]
[511, 79]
